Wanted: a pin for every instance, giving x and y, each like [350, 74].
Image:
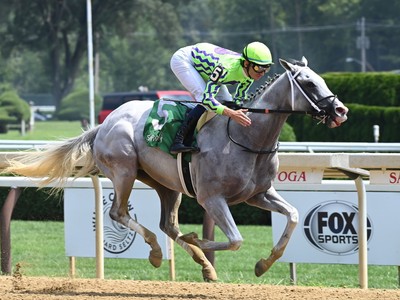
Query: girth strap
[185, 175]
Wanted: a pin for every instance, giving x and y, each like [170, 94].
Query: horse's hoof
[209, 274]
[261, 267]
[155, 257]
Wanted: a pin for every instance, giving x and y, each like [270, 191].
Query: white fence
[283, 146]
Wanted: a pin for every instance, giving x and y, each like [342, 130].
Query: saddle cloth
[160, 129]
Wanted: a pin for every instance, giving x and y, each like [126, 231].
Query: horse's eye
[310, 84]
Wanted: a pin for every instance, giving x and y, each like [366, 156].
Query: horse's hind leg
[170, 202]
[272, 201]
[120, 213]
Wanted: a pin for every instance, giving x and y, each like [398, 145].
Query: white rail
[283, 147]
[338, 147]
[23, 145]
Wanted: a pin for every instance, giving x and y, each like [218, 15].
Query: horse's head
[308, 85]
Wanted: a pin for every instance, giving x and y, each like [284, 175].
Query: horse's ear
[305, 61]
[287, 65]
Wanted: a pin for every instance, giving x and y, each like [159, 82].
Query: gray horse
[236, 164]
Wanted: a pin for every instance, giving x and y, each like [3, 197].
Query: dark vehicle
[114, 100]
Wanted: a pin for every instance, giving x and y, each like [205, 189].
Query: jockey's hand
[238, 116]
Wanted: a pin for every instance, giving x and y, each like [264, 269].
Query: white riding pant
[183, 68]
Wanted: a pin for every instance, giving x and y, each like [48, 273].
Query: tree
[59, 28]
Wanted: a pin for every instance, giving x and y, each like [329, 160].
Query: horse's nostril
[340, 111]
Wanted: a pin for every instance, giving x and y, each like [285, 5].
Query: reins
[247, 149]
[283, 111]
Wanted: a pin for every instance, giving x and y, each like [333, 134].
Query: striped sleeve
[241, 90]
[209, 100]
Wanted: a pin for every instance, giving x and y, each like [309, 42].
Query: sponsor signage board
[387, 177]
[328, 227]
[299, 175]
[119, 241]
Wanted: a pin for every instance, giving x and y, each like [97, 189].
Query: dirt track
[41, 288]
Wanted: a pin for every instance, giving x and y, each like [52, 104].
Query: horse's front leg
[272, 201]
[218, 210]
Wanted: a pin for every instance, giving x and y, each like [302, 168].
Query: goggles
[260, 69]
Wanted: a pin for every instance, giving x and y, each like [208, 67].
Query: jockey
[204, 70]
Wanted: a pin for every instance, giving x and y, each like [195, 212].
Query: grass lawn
[47, 130]
[39, 248]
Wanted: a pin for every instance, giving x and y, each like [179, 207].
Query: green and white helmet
[257, 53]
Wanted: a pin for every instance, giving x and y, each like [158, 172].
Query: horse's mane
[263, 87]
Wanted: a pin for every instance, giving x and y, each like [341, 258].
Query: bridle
[315, 113]
[313, 102]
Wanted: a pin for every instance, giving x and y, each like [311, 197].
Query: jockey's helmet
[257, 53]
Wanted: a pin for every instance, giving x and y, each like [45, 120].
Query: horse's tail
[56, 162]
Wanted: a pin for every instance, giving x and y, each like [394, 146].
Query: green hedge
[34, 204]
[358, 127]
[375, 89]
[372, 99]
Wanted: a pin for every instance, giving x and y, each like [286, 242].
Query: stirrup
[181, 148]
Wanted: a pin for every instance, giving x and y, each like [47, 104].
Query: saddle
[164, 120]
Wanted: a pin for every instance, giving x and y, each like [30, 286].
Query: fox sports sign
[332, 227]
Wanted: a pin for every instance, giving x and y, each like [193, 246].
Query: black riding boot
[186, 131]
